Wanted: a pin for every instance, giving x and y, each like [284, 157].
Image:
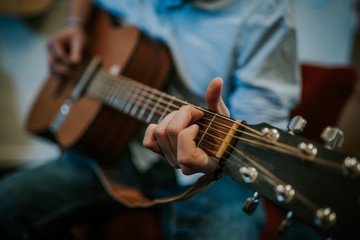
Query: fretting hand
[174, 137]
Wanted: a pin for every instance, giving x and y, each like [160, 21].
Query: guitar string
[249, 142]
[321, 161]
[267, 173]
[275, 146]
[177, 107]
[151, 91]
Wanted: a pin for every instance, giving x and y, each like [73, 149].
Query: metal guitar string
[155, 99]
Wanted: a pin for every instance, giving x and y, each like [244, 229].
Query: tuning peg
[333, 137]
[352, 167]
[284, 193]
[271, 133]
[296, 124]
[325, 217]
[251, 203]
[285, 224]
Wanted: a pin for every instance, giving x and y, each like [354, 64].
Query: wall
[23, 69]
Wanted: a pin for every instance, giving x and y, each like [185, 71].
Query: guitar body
[90, 127]
[24, 8]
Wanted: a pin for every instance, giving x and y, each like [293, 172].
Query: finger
[76, 49]
[192, 157]
[150, 141]
[213, 97]
[160, 133]
[57, 67]
[56, 64]
[185, 116]
[59, 52]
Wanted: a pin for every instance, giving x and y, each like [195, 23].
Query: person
[251, 45]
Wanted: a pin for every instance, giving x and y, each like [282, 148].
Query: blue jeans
[42, 202]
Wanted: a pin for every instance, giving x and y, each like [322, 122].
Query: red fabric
[325, 92]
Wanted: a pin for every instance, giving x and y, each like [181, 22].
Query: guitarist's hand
[65, 49]
[174, 136]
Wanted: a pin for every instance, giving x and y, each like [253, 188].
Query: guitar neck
[150, 105]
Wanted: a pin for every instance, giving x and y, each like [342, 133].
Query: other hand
[65, 49]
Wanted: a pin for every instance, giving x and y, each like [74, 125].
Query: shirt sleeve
[266, 77]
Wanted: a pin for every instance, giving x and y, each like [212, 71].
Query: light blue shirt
[251, 44]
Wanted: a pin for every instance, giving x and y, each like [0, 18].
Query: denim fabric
[47, 199]
[43, 202]
[214, 214]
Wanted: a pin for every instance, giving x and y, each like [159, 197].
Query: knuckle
[146, 142]
[173, 131]
[159, 131]
[182, 134]
[185, 108]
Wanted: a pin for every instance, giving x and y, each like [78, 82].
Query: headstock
[318, 185]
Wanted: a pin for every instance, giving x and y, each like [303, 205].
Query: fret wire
[206, 130]
[166, 109]
[150, 116]
[153, 95]
[110, 91]
[129, 101]
[137, 104]
[145, 107]
[114, 98]
[127, 90]
[120, 88]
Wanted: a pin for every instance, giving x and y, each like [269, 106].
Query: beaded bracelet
[75, 22]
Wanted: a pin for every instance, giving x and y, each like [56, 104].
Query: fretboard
[150, 105]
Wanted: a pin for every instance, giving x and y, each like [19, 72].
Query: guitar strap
[133, 198]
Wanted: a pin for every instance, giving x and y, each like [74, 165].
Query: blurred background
[327, 36]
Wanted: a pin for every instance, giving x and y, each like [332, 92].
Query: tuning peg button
[296, 124]
[251, 203]
[325, 217]
[333, 137]
[271, 133]
[284, 193]
[248, 174]
[352, 167]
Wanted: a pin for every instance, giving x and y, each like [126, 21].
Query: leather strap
[132, 198]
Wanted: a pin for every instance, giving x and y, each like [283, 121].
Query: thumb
[213, 97]
[76, 50]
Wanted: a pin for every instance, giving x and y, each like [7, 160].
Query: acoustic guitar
[316, 184]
